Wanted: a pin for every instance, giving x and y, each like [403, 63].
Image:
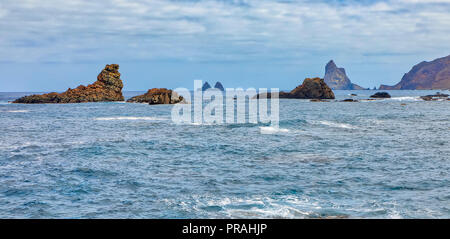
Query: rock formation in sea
[312, 88]
[108, 87]
[219, 86]
[157, 96]
[437, 96]
[425, 76]
[337, 79]
[381, 95]
[206, 86]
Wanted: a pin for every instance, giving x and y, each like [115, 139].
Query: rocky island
[157, 96]
[425, 76]
[312, 88]
[381, 95]
[108, 87]
[337, 79]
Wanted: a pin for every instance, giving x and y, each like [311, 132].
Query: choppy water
[376, 159]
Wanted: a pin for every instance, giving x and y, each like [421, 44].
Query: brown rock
[108, 87]
[158, 96]
[312, 88]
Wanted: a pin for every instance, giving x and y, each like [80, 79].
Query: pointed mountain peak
[331, 65]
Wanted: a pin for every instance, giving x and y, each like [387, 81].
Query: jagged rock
[158, 96]
[314, 88]
[425, 76]
[381, 95]
[337, 79]
[219, 86]
[206, 86]
[108, 87]
[437, 96]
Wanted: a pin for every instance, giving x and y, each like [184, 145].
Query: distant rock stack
[206, 86]
[312, 88]
[219, 86]
[108, 87]
[425, 76]
[337, 79]
[157, 96]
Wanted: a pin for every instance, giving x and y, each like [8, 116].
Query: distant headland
[432, 75]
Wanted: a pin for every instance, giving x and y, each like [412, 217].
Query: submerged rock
[312, 88]
[108, 87]
[318, 100]
[349, 100]
[157, 96]
[381, 95]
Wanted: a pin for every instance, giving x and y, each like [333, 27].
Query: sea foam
[272, 130]
[129, 118]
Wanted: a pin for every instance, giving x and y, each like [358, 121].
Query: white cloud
[81, 30]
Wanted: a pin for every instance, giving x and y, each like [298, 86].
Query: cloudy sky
[50, 45]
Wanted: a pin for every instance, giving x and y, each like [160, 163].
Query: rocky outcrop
[219, 86]
[157, 96]
[337, 79]
[381, 95]
[437, 96]
[108, 87]
[425, 76]
[206, 86]
[312, 88]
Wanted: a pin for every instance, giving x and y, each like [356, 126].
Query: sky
[51, 45]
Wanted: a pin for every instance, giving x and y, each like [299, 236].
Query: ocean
[388, 158]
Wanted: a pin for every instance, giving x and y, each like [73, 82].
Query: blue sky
[51, 45]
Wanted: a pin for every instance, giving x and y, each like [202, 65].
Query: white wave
[129, 118]
[405, 98]
[18, 111]
[253, 207]
[337, 125]
[272, 130]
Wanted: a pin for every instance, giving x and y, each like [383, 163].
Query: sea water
[388, 158]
